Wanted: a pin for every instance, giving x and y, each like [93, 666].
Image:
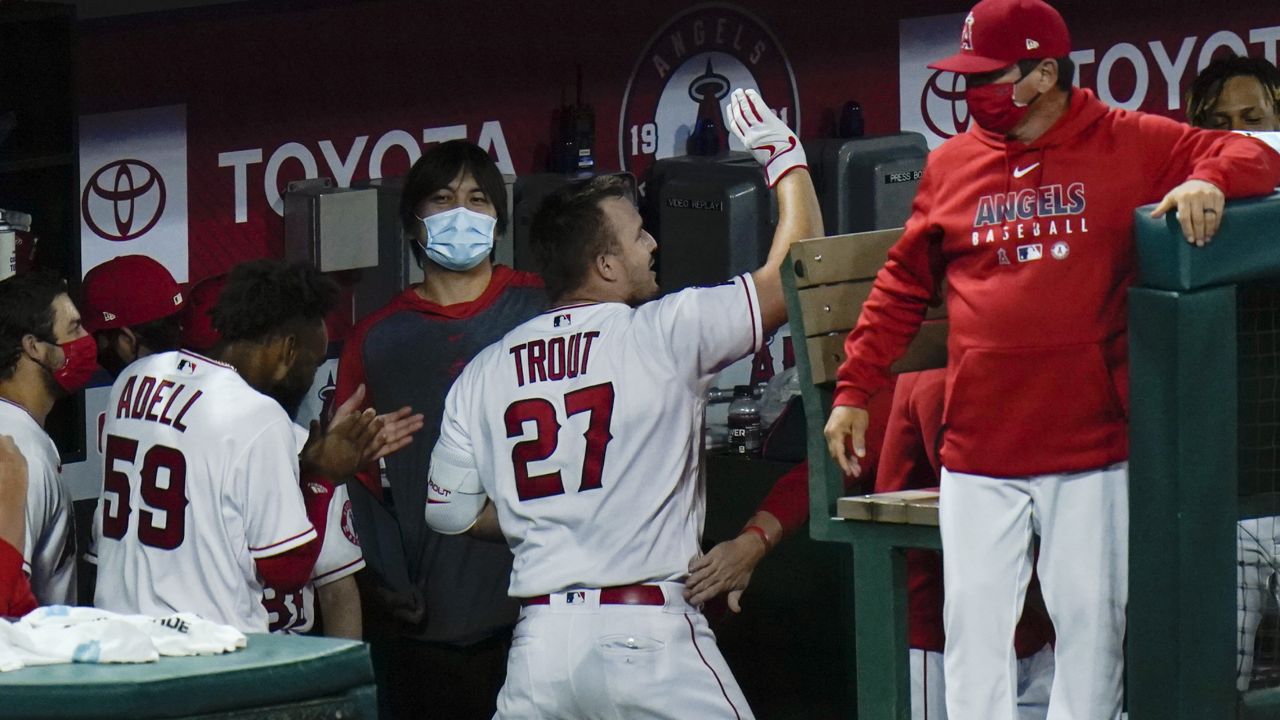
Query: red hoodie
[1035, 244]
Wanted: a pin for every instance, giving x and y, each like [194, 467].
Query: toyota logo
[943, 96]
[123, 200]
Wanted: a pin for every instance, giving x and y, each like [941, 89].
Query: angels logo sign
[687, 70]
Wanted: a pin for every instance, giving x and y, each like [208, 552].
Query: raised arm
[779, 152]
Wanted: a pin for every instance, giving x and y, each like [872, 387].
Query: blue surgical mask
[458, 239]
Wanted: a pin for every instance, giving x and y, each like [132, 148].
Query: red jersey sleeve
[892, 314]
[1238, 165]
[16, 599]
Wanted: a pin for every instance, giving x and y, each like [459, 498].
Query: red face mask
[80, 364]
[992, 106]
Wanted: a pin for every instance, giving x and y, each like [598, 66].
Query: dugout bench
[274, 677]
[1203, 330]
[825, 281]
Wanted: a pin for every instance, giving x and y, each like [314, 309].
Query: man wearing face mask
[439, 604]
[133, 307]
[200, 503]
[45, 355]
[1028, 219]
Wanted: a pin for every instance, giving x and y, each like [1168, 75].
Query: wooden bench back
[833, 277]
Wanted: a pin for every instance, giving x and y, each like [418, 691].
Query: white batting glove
[774, 146]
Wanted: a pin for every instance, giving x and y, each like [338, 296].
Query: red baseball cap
[999, 33]
[197, 327]
[127, 291]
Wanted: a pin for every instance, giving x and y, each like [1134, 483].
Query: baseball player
[583, 426]
[200, 503]
[1242, 93]
[45, 355]
[133, 307]
[1028, 217]
[438, 601]
[15, 590]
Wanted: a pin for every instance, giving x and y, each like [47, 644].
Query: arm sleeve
[1237, 164]
[16, 599]
[455, 495]
[288, 571]
[892, 314]
[269, 494]
[704, 330]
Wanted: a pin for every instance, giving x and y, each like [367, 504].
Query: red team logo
[123, 200]
[349, 524]
[687, 70]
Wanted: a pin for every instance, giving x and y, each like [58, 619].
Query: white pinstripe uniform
[584, 426]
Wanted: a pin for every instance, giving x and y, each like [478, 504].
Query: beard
[111, 362]
[290, 395]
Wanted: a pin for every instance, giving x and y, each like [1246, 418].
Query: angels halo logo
[685, 74]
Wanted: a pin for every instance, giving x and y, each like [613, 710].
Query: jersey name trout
[557, 358]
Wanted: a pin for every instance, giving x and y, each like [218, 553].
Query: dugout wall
[1203, 329]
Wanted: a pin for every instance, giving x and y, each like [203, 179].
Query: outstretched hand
[726, 568]
[344, 447]
[770, 141]
[1199, 205]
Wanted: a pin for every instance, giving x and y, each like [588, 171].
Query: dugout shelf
[276, 676]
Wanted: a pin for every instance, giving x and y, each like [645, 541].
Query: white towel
[61, 634]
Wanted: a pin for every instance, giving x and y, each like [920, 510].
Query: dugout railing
[1203, 434]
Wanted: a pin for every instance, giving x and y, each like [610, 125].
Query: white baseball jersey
[200, 479]
[329, 508]
[585, 425]
[48, 553]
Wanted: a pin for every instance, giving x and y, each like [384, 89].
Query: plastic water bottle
[744, 422]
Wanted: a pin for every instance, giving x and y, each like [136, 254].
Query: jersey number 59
[596, 400]
[164, 506]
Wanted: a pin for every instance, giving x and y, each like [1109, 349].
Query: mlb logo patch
[1027, 253]
[185, 365]
[575, 597]
[564, 320]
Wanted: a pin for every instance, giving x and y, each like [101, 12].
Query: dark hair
[267, 298]
[26, 308]
[570, 231]
[1066, 69]
[438, 167]
[1205, 89]
[159, 335]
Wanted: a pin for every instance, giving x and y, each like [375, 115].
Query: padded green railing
[1183, 464]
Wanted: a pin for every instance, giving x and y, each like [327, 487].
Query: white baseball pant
[577, 659]
[988, 527]
[929, 684]
[1257, 568]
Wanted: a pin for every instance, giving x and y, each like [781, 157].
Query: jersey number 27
[596, 400]
[167, 502]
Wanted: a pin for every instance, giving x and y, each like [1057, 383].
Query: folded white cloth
[61, 634]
